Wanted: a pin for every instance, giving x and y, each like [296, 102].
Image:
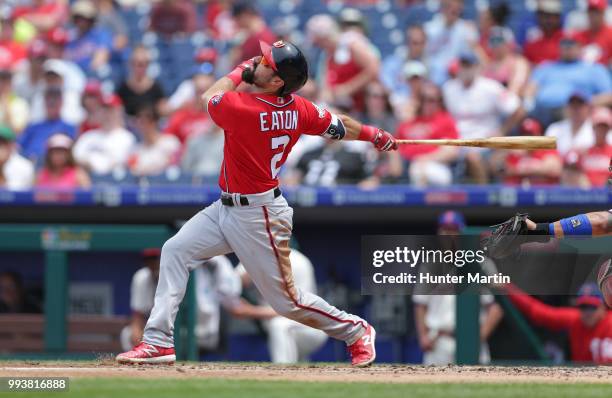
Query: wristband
[577, 225]
[541, 229]
[235, 76]
[367, 133]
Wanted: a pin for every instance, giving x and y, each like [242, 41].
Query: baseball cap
[351, 16]
[150, 252]
[57, 36]
[602, 115]
[54, 66]
[205, 54]
[93, 87]
[414, 68]
[468, 57]
[112, 100]
[550, 6]
[60, 141]
[579, 95]
[84, 8]
[531, 126]
[600, 5]
[451, 218]
[6, 133]
[589, 295]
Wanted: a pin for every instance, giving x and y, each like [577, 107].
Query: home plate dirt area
[310, 372]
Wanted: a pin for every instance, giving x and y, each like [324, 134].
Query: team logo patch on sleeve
[320, 110]
[216, 99]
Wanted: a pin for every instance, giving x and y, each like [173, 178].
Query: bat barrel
[528, 143]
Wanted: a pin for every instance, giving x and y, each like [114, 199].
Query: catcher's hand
[507, 237]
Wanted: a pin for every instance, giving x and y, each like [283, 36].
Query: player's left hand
[384, 141]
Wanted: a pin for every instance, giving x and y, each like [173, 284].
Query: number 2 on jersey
[278, 142]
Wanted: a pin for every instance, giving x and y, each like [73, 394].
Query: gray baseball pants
[259, 235]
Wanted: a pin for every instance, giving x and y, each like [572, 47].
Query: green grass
[218, 388]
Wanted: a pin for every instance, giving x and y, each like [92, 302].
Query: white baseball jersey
[479, 109]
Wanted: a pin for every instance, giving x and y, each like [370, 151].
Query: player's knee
[173, 248]
[287, 308]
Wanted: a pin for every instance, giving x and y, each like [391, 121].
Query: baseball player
[508, 237]
[252, 219]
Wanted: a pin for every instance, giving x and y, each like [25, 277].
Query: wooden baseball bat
[493, 142]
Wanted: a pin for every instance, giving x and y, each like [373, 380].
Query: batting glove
[236, 75]
[382, 140]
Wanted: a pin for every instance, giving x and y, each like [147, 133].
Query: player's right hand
[384, 141]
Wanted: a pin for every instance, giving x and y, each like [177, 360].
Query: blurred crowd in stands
[97, 91]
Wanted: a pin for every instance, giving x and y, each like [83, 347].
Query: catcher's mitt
[604, 281]
[507, 237]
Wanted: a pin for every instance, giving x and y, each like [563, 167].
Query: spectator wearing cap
[89, 46]
[552, 83]
[13, 109]
[588, 323]
[394, 69]
[139, 89]
[597, 38]
[170, 17]
[350, 63]
[60, 171]
[595, 162]
[529, 168]
[156, 151]
[16, 172]
[415, 75]
[111, 20]
[106, 149]
[57, 74]
[205, 60]
[11, 52]
[252, 29]
[504, 64]
[575, 132]
[73, 76]
[496, 15]
[352, 19]
[427, 165]
[448, 35]
[44, 15]
[482, 107]
[29, 74]
[192, 118]
[543, 41]
[92, 104]
[34, 138]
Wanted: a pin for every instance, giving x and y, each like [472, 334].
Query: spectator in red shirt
[350, 63]
[60, 171]
[11, 52]
[597, 39]
[595, 162]
[169, 17]
[428, 164]
[192, 117]
[539, 167]
[253, 27]
[589, 323]
[543, 43]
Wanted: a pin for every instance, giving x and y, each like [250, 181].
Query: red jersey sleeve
[554, 318]
[222, 108]
[317, 119]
